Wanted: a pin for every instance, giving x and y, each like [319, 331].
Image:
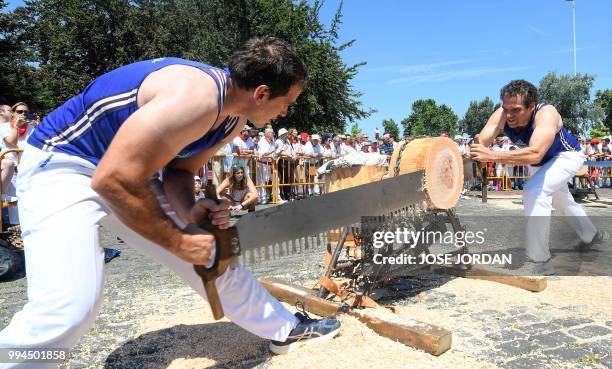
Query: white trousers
[263, 176]
[546, 189]
[65, 262]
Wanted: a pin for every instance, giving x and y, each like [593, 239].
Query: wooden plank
[429, 338]
[533, 284]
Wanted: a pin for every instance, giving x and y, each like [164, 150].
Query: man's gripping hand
[481, 153]
[196, 245]
[209, 211]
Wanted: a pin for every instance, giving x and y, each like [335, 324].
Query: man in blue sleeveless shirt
[92, 160]
[547, 145]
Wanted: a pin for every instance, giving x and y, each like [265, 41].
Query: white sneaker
[599, 237]
[536, 268]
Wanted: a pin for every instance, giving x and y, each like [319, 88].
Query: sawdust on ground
[357, 346]
[223, 343]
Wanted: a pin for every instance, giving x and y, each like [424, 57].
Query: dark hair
[267, 61]
[520, 87]
[237, 185]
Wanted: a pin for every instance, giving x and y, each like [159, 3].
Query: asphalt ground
[524, 333]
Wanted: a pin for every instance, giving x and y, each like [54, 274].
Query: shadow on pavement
[228, 345]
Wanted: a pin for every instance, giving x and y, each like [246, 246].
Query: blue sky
[457, 51]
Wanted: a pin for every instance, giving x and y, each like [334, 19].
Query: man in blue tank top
[547, 145]
[92, 160]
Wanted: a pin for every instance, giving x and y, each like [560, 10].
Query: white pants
[546, 189]
[263, 176]
[65, 262]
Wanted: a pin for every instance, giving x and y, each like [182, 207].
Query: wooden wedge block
[429, 338]
[533, 284]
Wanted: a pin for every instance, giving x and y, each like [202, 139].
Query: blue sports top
[85, 125]
[564, 141]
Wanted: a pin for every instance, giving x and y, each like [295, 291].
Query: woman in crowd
[239, 189]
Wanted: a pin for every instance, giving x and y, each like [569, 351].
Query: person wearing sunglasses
[14, 135]
[6, 113]
[22, 124]
[111, 156]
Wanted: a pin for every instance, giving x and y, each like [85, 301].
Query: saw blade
[263, 232]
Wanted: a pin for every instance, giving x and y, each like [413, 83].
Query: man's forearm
[524, 156]
[137, 207]
[178, 188]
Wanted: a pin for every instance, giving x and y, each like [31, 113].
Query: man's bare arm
[492, 128]
[546, 126]
[145, 143]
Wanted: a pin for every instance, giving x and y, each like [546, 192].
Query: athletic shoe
[308, 331]
[599, 237]
[536, 268]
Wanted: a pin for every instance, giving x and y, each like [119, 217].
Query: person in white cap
[197, 188]
[313, 151]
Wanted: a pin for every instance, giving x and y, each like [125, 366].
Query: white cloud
[536, 30]
[418, 68]
[450, 75]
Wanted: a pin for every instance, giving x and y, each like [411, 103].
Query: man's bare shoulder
[548, 114]
[197, 87]
[547, 109]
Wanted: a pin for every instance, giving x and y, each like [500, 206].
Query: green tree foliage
[429, 119]
[571, 96]
[18, 80]
[389, 126]
[603, 99]
[73, 41]
[599, 130]
[476, 116]
[355, 130]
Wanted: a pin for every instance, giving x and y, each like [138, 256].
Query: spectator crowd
[294, 155]
[285, 161]
[509, 176]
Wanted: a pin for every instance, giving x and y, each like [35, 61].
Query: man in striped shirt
[548, 145]
[96, 160]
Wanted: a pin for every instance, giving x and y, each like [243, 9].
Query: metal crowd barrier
[274, 177]
[604, 167]
[285, 177]
[507, 175]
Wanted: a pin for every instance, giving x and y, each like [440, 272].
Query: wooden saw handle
[227, 249]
